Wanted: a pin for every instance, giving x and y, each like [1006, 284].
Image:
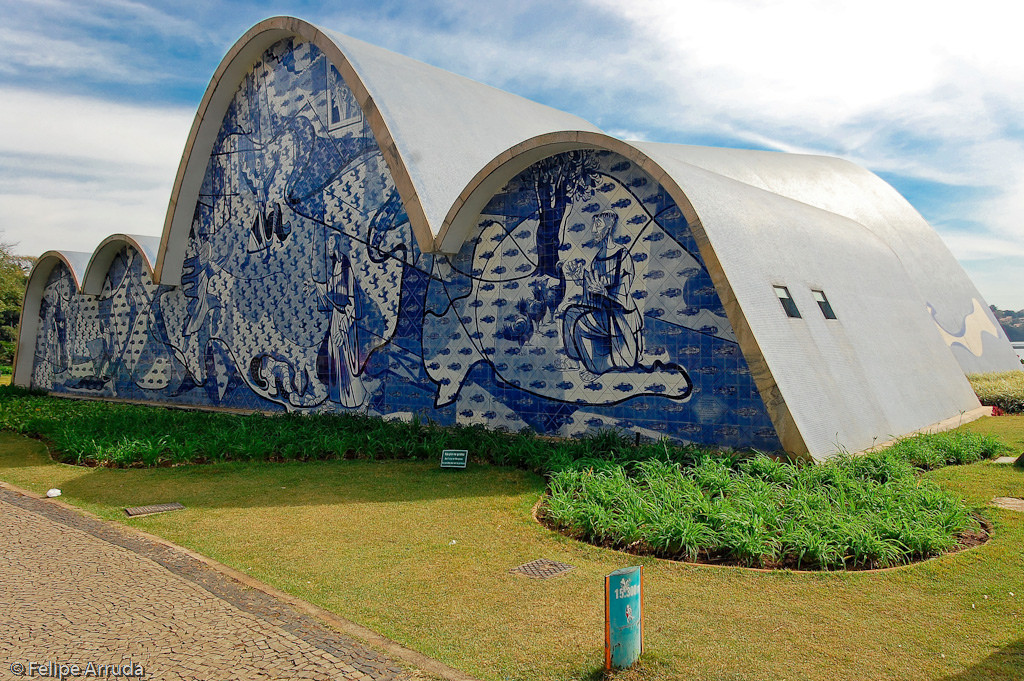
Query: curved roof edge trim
[99, 264]
[506, 165]
[28, 327]
[214, 105]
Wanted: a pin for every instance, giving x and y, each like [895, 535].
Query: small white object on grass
[53, 492]
[452, 542]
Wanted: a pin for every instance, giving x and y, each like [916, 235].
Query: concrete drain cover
[1010, 503]
[150, 510]
[542, 568]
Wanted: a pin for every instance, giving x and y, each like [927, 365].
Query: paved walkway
[77, 590]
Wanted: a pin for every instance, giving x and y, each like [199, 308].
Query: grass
[678, 502]
[372, 541]
[422, 555]
[1001, 389]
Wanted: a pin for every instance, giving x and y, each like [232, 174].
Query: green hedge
[105, 433]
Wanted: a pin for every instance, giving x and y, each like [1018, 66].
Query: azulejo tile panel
[581, 302]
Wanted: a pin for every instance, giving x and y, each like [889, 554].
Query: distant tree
[1012, 323]
[13, 275]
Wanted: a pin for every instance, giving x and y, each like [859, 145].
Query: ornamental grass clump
[936, 450]
[1004, 389]
[852, 512]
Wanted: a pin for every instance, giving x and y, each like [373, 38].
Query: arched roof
[88, 270]
[77, 263]
[435, 129]
[755, 231]
[846, 383]
[99, 263]
[759, 218]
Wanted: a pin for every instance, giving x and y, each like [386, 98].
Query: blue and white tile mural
[581, 302]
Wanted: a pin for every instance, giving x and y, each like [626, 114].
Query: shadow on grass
[646, 668]
[19, 451]
[1004, 664]
[259, 484]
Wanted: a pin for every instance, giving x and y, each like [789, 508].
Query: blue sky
[96, 97]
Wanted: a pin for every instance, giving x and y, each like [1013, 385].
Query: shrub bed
[852, 512]
[1001, 389]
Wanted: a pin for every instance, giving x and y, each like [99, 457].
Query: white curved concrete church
[352, 229]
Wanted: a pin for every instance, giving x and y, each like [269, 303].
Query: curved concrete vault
[892, 361]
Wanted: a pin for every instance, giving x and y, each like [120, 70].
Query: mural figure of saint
[602, 330]
[344, 365]
[55, 335]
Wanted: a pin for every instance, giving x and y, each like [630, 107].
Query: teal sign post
[454, 458]
[623, 617]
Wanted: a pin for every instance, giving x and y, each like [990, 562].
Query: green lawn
[422, 556]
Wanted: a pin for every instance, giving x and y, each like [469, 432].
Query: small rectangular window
[823, 303]
[787, 301]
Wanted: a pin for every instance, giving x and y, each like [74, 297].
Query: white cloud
[74, 170]
[925, 90]
[27, 50]
[976, 247]
[111, 14]
[837, 73]
[821, 63]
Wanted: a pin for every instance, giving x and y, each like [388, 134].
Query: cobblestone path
[77, 590]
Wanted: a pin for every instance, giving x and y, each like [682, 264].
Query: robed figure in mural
[343, 365]
[602, 330]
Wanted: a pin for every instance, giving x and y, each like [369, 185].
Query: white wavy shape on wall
[976, 323]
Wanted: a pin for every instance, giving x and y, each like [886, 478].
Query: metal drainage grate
[1009, 503]
[542, 568]
[150, 510]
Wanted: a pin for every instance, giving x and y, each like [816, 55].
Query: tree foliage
[13, 275]
[1012, 323]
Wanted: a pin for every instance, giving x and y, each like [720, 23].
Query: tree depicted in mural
[558, 181]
